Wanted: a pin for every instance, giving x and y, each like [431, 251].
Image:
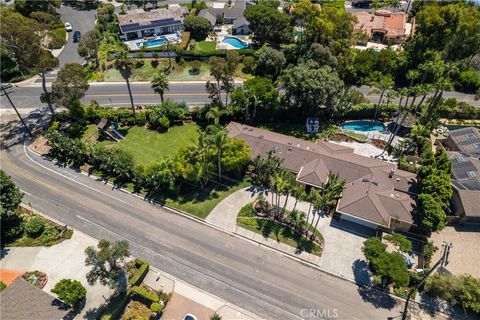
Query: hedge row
[140, 274]
[145, 294]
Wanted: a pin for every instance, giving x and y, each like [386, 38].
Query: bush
[185, 40]
[71, 292]
[140, 274]
[136, 311]
[58, 38]
[144, 293]
[2, 286]
[249, 64]
[198, 27]
[156, 307]
[34, 226]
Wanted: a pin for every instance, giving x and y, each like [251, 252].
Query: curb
[236, 235]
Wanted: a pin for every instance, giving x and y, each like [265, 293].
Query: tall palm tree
[313, 197]
[218, 138]
[298, 192]
[385, 83]
[289, 186]
[123, 63]
[160, 84]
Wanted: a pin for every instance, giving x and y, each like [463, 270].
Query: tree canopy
[199, 27]
[268, 24]
[70, 85]
[10, 195]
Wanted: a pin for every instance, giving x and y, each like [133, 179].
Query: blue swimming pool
[363, 125]
[152, 43]
[235, 42]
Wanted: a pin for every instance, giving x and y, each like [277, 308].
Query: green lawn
[277, 231]
[205, 47]
[200, 202]
[149, 146]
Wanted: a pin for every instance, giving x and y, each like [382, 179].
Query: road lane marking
[136, 242]
[144, 94]
[26, 192]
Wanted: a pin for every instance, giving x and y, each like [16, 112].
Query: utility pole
[5, 93]
[442, 261]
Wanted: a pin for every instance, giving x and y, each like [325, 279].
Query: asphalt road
[245, 274]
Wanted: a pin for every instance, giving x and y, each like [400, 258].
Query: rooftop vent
[391, 173]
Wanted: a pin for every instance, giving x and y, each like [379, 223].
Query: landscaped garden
[289, 229]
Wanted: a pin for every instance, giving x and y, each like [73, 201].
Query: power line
[5, 93]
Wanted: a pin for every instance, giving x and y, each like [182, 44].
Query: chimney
[390, 175]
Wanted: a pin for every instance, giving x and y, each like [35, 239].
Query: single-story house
[228, 16]
[377, 194]
[383, 25]
[138, 23]
[23, 301]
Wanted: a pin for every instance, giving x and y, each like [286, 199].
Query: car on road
[68, 27]
[76, 36]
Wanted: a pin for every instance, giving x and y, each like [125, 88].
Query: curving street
[246, 274]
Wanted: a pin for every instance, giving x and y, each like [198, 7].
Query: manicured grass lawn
[276, 231]
[205, 46]
[149, 146]
[200, 202]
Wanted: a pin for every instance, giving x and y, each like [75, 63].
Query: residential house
[23, 301]
[138, 23]
[463, 149]
[228, 16]
[383, 25]
[377, 194]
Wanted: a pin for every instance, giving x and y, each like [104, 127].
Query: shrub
[249, 64]
[2, 286]
[144, 293]
[136, 311]
[401, 292]
[58, 38]
[156, 307]
[34, 226]
[140, 274]
[71, 292]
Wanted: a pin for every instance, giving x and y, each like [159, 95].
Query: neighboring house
[23, 301]
[463, 149]
[377, 194]
[383, 25]
[138, 23]
[228, 16]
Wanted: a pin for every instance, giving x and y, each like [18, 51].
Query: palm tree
[218, 138]
[334, 186]
[214, 114]
[297, 219]
[160, 84]
[313, 197]
[123, 63]
[298, 192]
[289, 186]
[385, 83]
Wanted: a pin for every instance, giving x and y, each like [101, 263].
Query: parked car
[76, 36]
[189, 316]
[68, 27]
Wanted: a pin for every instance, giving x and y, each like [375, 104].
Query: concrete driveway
[342, 254]
[62, 261]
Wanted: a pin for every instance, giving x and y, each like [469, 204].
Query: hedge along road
[245, 274]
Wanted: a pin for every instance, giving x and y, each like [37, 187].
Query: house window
[477, 145]
[472, 174]
[469, 136]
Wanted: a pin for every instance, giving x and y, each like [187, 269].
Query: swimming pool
[152, 43]
[363, 125]
[235, 42]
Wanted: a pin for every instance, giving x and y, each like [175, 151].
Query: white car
[68, 27]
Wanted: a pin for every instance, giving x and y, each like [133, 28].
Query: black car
[76, 36]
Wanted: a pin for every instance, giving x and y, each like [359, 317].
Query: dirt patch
[40, 146]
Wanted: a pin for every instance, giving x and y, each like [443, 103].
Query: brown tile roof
[392, 23]
[375, 190]
[22, 301]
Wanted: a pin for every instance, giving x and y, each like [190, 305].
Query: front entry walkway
[342, 254]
